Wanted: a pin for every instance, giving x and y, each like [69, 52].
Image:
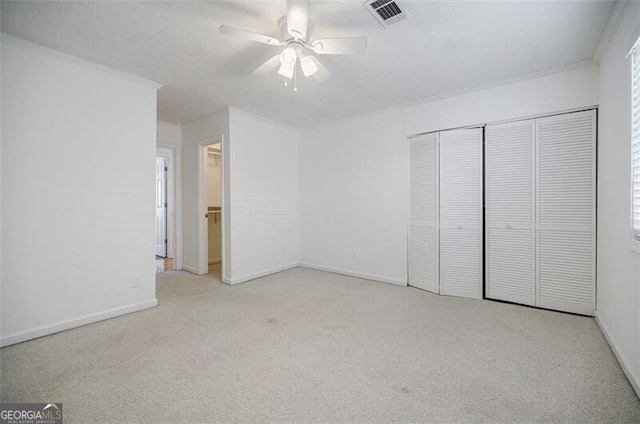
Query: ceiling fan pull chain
[295, 79]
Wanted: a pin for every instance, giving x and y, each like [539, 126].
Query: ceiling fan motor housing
[284, 33]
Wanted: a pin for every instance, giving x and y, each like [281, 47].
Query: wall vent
[387, 12]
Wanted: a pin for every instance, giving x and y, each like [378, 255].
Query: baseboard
[73, 323]
[215, 261]
[372, 277]
[244, 279]
[190, 269]
[622, 360]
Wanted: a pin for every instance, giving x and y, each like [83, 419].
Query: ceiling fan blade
[346, 45]
[298, 18]
[249, 35]
[268, 66]
[322, 74]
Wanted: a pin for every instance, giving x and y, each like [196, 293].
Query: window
[635, 140]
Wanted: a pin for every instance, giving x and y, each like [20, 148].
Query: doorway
[167, 236]
[211, 210]
[161, 207]
[214, 209]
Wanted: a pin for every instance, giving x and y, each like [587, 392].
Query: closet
[540, 212]
[534, 242]
[445, 212]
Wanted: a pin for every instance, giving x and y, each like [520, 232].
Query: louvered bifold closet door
[461, 213]
[566, 212]
[423, 213]
[509, 212]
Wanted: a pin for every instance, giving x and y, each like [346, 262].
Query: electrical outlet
[135, 280]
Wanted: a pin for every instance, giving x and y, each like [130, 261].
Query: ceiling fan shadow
[250, 57]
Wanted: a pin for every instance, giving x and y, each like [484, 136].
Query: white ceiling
[444, 47]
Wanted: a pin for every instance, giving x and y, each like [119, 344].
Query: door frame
[202, 224]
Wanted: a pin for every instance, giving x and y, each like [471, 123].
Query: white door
[423, 213]
[566, 217]
[161, 207]
[509, 213]
[461, 213]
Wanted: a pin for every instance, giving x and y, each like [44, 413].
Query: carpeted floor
[309, 346]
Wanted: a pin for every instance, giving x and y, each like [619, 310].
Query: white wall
[214, 180]
[169, 135]
[618, 289]
[571, 89]
[354, 173]
[353, 197]
[263, 196]
[204, 130]
[260, 193]
[78, 153]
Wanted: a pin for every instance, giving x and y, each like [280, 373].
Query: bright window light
[635, 141]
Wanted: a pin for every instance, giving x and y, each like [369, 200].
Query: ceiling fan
[294, 29]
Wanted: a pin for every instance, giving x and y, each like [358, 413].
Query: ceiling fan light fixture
[288, 56]
[308, 65]
[297, 46]
[286, 70]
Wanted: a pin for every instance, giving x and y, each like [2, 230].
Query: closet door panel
[461, 262]
[461, 213]
[566, 212]
[510, 206]
[510, 265]
[424, 234]
[565, 273]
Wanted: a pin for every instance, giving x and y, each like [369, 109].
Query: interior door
[161, 207]
[461, 213]
[424, 235]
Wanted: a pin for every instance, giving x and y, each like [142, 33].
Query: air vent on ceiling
[386, 12]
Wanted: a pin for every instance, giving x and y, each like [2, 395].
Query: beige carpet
[309, 346]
